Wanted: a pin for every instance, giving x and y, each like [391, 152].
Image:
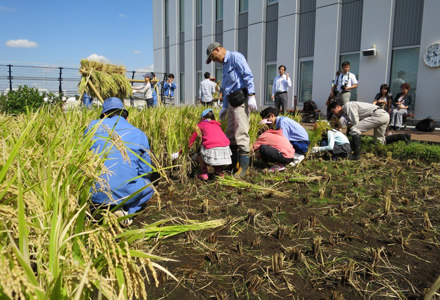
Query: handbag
[238, 97]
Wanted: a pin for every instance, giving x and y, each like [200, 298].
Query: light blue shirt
[281, 84]
[168, 89]
[334, 137]
[236, 75]
[292, 130]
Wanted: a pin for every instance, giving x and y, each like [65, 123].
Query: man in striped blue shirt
[238, 101]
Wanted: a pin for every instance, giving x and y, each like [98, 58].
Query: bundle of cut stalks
[103, 81]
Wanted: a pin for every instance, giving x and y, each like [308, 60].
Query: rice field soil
[322, 230]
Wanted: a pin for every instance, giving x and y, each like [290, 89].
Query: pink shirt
[212, 135]
[277, 140]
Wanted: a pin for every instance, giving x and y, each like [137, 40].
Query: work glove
[252, 103]
[175, 156]
[315, 149]
[222, 113]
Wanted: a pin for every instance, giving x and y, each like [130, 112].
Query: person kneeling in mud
[129, 176]
[333, 142]
[273, 147]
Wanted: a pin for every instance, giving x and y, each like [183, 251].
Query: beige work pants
[378, 121]
[237, 129]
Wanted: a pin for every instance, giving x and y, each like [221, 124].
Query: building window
[305, 80]
[199, 12]
[167, 17]
[271, 72]
[244, 6]
[219, 10]
[404, 66]
[182, 87]
[199, 79]
[182, 15]
[219, 74]
[353, 59]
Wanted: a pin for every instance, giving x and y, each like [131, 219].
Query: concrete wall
[326, 54]
[158, 38]
[256, 33]
[287, 45]
[428, 79]
[208, 33]
[190, 51]
[230, 24]
[174, 47]
[377, 25]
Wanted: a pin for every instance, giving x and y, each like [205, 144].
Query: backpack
[309, 106]
[426, 125]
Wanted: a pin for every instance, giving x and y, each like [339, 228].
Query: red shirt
[212, 135]
[277, 140]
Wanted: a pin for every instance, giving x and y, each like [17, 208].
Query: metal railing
[62, 80]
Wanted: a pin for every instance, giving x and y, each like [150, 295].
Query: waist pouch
[238, 97]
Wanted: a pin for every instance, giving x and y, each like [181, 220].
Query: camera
[344, 87]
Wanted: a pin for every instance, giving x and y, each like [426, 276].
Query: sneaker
[276, 168]
[122, 213]
[203, 176]
[298, 158]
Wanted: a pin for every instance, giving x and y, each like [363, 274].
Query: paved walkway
[431, 137]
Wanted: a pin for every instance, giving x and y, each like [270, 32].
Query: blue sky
[61, 33]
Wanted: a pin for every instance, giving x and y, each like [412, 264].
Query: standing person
[168, 90]
[146, 89]
[206, 90]
[155, 86]
[280, 87]
[238, 99]
[362, 117]
[273, 147]
[128, 161]
[87, 101]
[346, 82]
[403, 105]
[293, 131]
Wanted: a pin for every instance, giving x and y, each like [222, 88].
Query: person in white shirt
[280, 86]
[146, 89]
[346, 82]
[207, 88]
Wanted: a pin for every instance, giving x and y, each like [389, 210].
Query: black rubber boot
[234, 157]
[243, 164]
[356, 140]
[398, 137]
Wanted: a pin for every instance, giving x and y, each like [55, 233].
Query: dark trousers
[209, 104]
[150, 102]
[301, 147]
[270, 154]
[281, 100]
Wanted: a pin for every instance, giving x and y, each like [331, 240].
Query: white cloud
[122, 16]
[150, 68]
[6, 9]
[21, 44]
[98, 58]
[136, 51]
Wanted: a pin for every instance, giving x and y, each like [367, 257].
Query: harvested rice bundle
[103, 81]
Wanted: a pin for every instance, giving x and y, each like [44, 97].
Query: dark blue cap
[111, 103]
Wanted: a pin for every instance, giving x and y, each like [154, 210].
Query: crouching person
[334, 142]
[273, 147]
[127, 160]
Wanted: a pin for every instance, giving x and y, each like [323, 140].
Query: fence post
[10, 78]
[60, 79]
[132, 77]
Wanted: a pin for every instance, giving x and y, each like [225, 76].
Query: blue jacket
[292, 130]
[121, 180]
[155, 94]
[169, 88]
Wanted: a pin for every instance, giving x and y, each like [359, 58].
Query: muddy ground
[343, 230]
